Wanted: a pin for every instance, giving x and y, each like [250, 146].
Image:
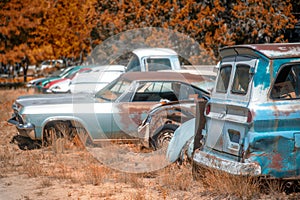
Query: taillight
[249, 117]
[207, 109]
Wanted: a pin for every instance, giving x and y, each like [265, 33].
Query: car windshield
[133, 64]
[113, 90]
[65, 71]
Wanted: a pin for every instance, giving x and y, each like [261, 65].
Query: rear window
[241, 80]
[155, 64]
[223, 79]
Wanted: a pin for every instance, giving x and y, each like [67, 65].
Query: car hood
[50, 99]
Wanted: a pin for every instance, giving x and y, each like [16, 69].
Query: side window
[155, 91]
[241, 80]
[184, 91]
[287, 83]
[223, 79]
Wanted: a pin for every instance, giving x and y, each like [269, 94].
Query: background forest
[35, 30]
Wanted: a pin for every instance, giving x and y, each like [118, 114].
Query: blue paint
[272, 138]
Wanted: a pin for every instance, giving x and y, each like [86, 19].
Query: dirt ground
[71, 172]
[66, 172]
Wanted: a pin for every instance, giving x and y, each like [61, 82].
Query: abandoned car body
[181, 145]
[164, 119]
[113, 113]
[253, 118]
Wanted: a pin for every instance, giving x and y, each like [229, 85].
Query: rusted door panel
[275, 152]
[127, 117]
[297, 152]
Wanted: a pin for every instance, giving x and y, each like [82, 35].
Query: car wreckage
[253, 115]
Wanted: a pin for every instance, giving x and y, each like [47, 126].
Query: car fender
[62, 118]
[182, 139]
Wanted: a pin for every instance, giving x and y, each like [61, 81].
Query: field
[70, 172]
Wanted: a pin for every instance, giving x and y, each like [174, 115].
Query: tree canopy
[52, 29]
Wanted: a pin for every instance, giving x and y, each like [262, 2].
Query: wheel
[56, 130]
[163, 136]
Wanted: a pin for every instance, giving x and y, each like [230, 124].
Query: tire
[163, 136]
[56, 130]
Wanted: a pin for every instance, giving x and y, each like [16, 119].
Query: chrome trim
[205, 159]
[26, 129]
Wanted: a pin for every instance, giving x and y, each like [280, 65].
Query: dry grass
[229, 185]
[66, 167]
[182, 175]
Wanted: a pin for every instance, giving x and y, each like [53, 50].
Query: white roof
[154, 52]
[109, 68]
[105, 74]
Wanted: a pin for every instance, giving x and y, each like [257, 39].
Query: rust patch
[276, 162]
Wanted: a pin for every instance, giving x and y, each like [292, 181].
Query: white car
[95, 79]
[63, 85]
[50, 63]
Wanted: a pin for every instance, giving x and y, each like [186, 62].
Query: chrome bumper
[207, 160]
[26, 129]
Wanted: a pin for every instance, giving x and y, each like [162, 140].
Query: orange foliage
[68, 28]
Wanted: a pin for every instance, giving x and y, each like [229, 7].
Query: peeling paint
[269, 142]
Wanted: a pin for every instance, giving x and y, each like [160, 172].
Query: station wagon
[253, 117]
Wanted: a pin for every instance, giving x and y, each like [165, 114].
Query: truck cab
[253, 116]
[153, 59]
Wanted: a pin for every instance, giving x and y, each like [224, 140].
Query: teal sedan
[112, 114]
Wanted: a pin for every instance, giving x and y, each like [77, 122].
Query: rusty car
[113, 113]
[253, 116]
[162, 120]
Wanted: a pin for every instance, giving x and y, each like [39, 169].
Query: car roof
[109, 68]
[272, 51]
[163, 76]
[142, 52]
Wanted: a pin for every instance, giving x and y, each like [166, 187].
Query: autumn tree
[65, 29]
[17, 20]
[36, 30]
[213, 23]
[52, 29]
